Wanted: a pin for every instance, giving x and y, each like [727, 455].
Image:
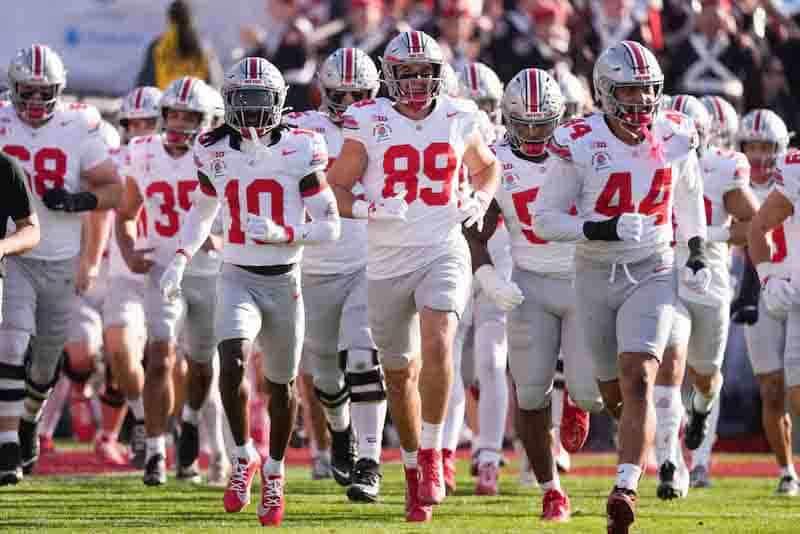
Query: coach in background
[16, 206]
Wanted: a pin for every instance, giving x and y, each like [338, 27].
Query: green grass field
[123, 504]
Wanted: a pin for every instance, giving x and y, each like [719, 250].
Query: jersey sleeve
[356, 123]
[562, 191]
[689, 202]
[310, 154]
[205, 164]
[93, 147]
[740, 178]
[788, 178]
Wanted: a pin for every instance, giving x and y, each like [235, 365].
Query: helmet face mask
[346, 76]
[530, 137]
[254, 93]
[763, 138]
[418, 84]
[187, 94]
[413, 69]
[532, 107]
[36, 79]
[633, 111]
[724, 121]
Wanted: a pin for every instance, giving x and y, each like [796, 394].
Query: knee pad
[333, 400]
[111, 396]
[533, 397]
[589, 405]
[76, 375]
[365, 376]
[396, 362]
[14, 346]
[36, 390]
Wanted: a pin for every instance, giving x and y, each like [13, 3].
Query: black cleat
[10, 467]
[28, 445]
[155, 471]
[189, 445]
[669, 485]
[365, 485]
[138, 445]
[697, 427]
[343, 455]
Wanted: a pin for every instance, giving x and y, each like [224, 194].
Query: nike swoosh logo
[453, 114]
[668, 137]
[287, 152]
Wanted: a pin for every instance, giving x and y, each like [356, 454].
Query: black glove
[601, 230]
[697, 254]
[744, 308]
[743, 313]
[59, 199]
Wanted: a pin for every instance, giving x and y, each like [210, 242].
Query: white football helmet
[36, 77]
[576, 95]
[625, 64]
[480, 84]
[532, 107]
[141, 103]
[217, 107]
[693, 108]
[255, 92]
[724, 121]
[185, 94]
[450, 86]
[763, 126]
[413, 48]
[346, 71]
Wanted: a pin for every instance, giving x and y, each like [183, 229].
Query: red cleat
[237, 494]
[416, 512]
[555, 506]
[574, 426]
[620, 510]
[487, 479]
[109, 450]
[81, 419]
[270, 510]
[431, 476]
[46, 444]
[449, 469]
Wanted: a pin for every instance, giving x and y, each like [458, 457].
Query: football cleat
[699, 477]
[487, 479]
[574, 426]
[416, 512]
[188, 445]
[272, 505]
[188, 473]
[138, 445]
[366, 481]
[343, 455]
[10, 468]
[155, 471]
[28, 445]
[218, 471]
[237, 494]
[672, 483]
[449, 469]
[697, 427]
[555, 506]
[109, 450]
[431, 476]
[321, 468]
[787, 487]
[620, 510]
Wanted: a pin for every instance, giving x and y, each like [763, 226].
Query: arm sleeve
[94, 149]
[320, 204]
[354, 127]
[553, 220]
[200, 219]
[16, 191]
[689, 200]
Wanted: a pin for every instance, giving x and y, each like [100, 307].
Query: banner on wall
[103, 42]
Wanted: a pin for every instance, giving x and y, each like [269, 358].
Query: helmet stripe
[718, 109]
[253, 68]
[38, 61]
[415, 43]
[533, 90]
[138, 104]
[757, 121]
[185, 89]
[680, 101]
[636, 54]
[473, 77]
[349, 66]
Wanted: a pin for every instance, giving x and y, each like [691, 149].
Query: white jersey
[778, 236]
[117, 266]
[167, 185]
[786, 238]
[349, 253]
[607, 178]
[520, 183]
[264, 183]
[723, 171]
[421, 159]
[55, 155]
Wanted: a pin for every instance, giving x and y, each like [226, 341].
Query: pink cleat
[431, 480]
[237, 494]
[487, 479]
[449, 469]
[270, 510]
[555, 506]
[416, 512]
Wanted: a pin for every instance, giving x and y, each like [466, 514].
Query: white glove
[265, 230]
[388, 209]
[473, 206]
[779, 295]
[505, 294]
[170, 282]
[636, 227]
[697, 281]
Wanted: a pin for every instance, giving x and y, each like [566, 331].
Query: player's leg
[55, 288]
[534, 338]
[491, 360]
[84, 342]
[200, 295]
[440, 298]
[766, 347]
[673, 477]
[366, 381]
[237, 322]
[282, 330]
[19, 312]
[163, 317]
[215, 424]
[313, 412]
[325, 296]
[394, 322]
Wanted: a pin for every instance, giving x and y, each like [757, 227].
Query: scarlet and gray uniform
[546, 322]
[421, 262]
[701, 321]
[266, 182]
[167, 185]
[626, 288]
[334, 283]
[768, 340]
[39, 285]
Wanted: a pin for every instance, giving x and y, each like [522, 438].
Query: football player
[700, 330]
[764, 139]
[409, 149]
[269, 177]
[60, 147]
[162, 179]
[347, 375]
[626, 167]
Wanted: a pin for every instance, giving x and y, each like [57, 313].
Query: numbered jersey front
[263, 182]
[520, 183]
[785, 238]
[166, 185]
[54, 156]
[615, 178]
[349, 253]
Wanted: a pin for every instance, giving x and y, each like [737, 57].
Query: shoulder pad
[461, 104]
[86, 114]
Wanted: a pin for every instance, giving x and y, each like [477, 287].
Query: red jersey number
[402, 164]
[171, 199]
[522, 200]
[49, 167]
[254, 192]
[617, 196]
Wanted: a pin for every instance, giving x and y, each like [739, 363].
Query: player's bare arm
[484, 169]
[24, 238]
[346, 170]
[478, 240]
[126, 231]
[105, 184]
[742, 205]
[96, 229]
[774, 211]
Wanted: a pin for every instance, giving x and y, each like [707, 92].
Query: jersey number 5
[617, 196]
[522, 200]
